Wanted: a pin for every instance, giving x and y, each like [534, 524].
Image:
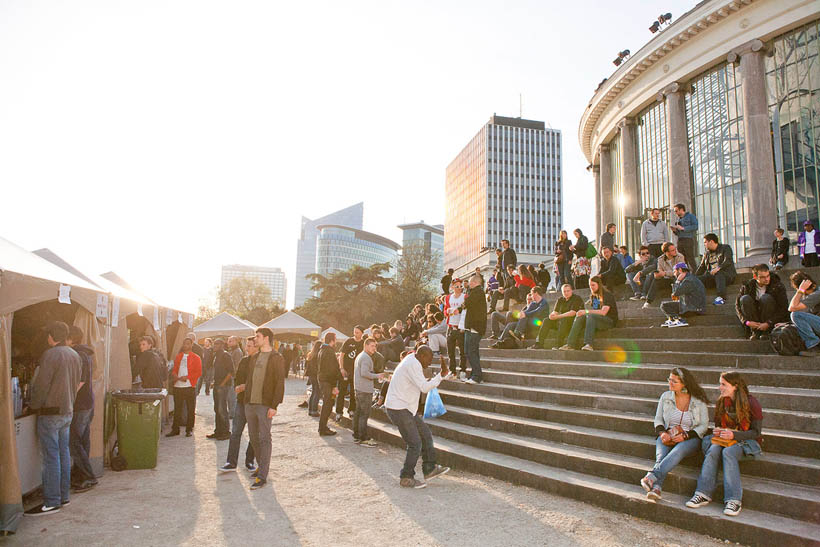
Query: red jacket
[194, 367]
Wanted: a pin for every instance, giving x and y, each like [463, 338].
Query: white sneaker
[718, 301]
[678, 323]
[646, 306]
[470, 381]
[566, 347]
[462, 375]
[587, 347]
[667, 322]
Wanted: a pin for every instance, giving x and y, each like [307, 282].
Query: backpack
[786, 340]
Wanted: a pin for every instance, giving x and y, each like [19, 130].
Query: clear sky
[162, 139]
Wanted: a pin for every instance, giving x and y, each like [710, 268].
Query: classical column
[677, 143]
[762, 213]
[607, 213]
[629, 168]
[596, 175]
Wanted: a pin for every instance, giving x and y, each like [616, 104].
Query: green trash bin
[138, 425]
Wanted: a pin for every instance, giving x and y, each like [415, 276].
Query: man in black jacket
[150, 366]
[223, 376]
[445, 282]
[762, 302]
[717, 268]
[612, 273]
[239, 420]
[508, 257]
[329, 375]
[475, 325]
[264, 391]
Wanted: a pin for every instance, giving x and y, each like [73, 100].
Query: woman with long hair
[601, 313]
[681, 421]
[563, 258]
[534, 274]
[737, 436]
[312, 373]
[581, 243]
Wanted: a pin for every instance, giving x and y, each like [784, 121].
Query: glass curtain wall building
[273, 278]
[653, 171]
[429, 238]
[339, 248]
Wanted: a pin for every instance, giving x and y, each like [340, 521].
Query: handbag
[673, 431]
[591, 251]
[725, 443]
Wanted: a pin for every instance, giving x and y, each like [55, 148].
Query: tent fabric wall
[11, 498]
[94, 337]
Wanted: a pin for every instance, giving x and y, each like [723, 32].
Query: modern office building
[339, 248]
[273, 278]
[351, 217]
[429, 237]
[719, 111]
[505, 184]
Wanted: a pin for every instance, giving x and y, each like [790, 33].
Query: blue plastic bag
[433, 407]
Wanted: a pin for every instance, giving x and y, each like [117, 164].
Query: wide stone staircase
[579, 424]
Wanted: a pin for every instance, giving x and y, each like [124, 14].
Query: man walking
[329, 376]
[187, 370]
[654, 233]
[475, 325]
[223, 383]
[401, 404]
[762, 302]
[686, 228]
[264, 391]
[351, 348]
[717, 268]
[363, 377]
[239, 420]
[53, 392]
[455, 332]
[82, 476]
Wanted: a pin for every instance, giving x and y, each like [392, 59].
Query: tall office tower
[273, 278]
[430, 238]
[339, 248]
[505, 184]
[351, 217]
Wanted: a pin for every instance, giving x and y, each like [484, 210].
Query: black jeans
[556, 330]
[672, 309]
[652, 284]
[327, 403]
[810, 260]
[315, 394]
[364, 400]
[719, 281]
[346, 388]
[184, 396]
[655, 249]
[419, 440]
[763, 311]
[455, 338]
[686, 245]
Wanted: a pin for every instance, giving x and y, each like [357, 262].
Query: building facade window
[717, 155]
[653, 169]
[618, 200]
[793, 84]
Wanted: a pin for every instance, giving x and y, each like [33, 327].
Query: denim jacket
[689, 223]
[666, 407]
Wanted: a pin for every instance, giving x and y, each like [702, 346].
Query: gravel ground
[322, 491]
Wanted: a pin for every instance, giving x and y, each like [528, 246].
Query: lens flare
[538, 322]
[629, 353]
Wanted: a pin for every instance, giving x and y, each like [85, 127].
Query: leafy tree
[248, 299]
[416, 277]
[204, 313]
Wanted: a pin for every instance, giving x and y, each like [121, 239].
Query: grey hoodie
[654, 233]
[363, 374]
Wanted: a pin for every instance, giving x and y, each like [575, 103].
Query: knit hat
[681, 266]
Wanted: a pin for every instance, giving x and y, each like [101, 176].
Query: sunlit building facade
[671, 125]
[339, 248]
[273, 278]
[505, 184]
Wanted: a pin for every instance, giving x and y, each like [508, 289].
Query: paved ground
[322, 491]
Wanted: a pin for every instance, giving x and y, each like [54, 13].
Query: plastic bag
[433, 407]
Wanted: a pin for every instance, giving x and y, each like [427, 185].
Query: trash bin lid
[140, 395]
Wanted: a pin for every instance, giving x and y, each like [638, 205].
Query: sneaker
[493, 337]
[258, 483]
[42, 510]
[338, 417]
[255, 474]
[566, 347]
[66, 503]
[462, 375]
[172, 434]
[470, 381]
[718, 301]
[643, 297]
[587, 347]
[813, 351]
[534, 346]
[303, 404]
[250, 467]
[85, 486]
[327, 433]
[356, 441]
[654, 494]
[407, 482]
[227, 468]
[732, 508]
[668, 322]
[189, 433]
[678, 323]
[697, 500]
[370, 443]
[648, 482]
[313, 414]
[437, 471]
[635, 298]
[646, 306]
[212, 436]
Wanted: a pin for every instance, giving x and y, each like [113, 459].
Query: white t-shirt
[454, 301]
[407, 385]
[183, 371]
[810, 248]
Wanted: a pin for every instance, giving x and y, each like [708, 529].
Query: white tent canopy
[225, 324]
[18, 260]
[340, 336]
[292, 323]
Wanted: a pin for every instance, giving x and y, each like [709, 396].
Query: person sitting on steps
[737, 436]
[688, 297]
[639, 271]
[537, 310]
[717, 268]
[664, 274]
[762, 302]
[499, 320]
[611, 272]
[780, 250]
[805, 312]
[555, 328]
[681, 422]
[601, 314]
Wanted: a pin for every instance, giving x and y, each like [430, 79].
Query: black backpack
[786, 340]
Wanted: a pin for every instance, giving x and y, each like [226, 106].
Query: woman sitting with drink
[737, 436]
[681, 421]
[601, 314]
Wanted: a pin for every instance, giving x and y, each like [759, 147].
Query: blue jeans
[630, 279]
[668, 457]
[719, 281]
[589, 324]
[364, 402]
[731, 457]
[808, 325]
[238, 428]
[564, 273]
[471, 344]
[80, 444]
[221, 409]
[231, 402]
[315, 394]
[53, 433]
[418, 439]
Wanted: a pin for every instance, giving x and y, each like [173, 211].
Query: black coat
[612, 273]
[508, 257]
[476, 309]
[775, 288]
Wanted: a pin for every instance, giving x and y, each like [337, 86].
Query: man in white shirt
[401, 404]
[455, 324]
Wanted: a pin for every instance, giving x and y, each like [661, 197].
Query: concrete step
[633, 355]
[655, 319]
[792, 443]
[709, 345]
[798, 470]
[751, 527]
[652, 372]
[691, 332]
[776, 418]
